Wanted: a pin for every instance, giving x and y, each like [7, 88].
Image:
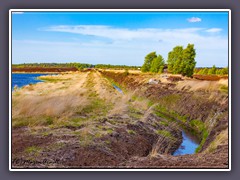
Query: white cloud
[194, 19]
[128, 46]
[123, 33]
[214, 30]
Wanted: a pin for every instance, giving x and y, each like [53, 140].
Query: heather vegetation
[212, 71]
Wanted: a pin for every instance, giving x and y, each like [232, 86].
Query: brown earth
[210, 77]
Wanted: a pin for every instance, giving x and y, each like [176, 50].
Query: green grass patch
[224, 89]
[131, 132]
[163, 123]
[33, 150]
[198, 125]
[75, 122]
[46, 133]
[97, 107]
[53, 80]
[135, 113]
[169, 114]
[164, 116]
[32, 121]
[20, 122]
[93, 94]
[49, 121]
[86, 139]
[150, 103]
[109, 130]
[134, 97]
[204, 138]
[166, 134]
[107, 142]
[170, 100]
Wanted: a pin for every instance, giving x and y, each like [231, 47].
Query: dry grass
[194, 85]
[74, 99]
[221, 139]
[51, 99]
[123, 70]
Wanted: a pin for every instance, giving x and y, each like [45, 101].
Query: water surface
[188, 146]
[23, 79]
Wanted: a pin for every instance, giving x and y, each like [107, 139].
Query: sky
[122, 38]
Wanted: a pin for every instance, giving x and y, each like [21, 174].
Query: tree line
[180, 61]
[79, 66]
[109, 66]
[211, 71]
[53, 65]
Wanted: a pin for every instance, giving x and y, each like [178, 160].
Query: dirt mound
[217, 159]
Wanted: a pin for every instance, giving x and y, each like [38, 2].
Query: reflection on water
[188, 146]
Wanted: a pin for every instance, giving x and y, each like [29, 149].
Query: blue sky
[117, 37]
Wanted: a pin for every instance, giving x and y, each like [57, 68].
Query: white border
[116, 10]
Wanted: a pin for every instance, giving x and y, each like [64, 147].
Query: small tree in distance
[212, 70]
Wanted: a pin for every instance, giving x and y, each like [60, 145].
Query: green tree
[205, 71]
[212, 70]
[224, 71]
[219, 71]
[175, 59]
[148, 62]
[188, 62]
[199, 72]
[157, 64]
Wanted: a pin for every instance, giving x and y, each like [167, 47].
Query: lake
[23, 79]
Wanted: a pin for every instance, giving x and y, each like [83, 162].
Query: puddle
[188, 146]
[118, 89]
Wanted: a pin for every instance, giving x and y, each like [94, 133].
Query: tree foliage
[188, 63]
[157, 64]
[175, 59]
[109, 66]
[148, 62]
[182, 61]
[212, 70]
[79, 66]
